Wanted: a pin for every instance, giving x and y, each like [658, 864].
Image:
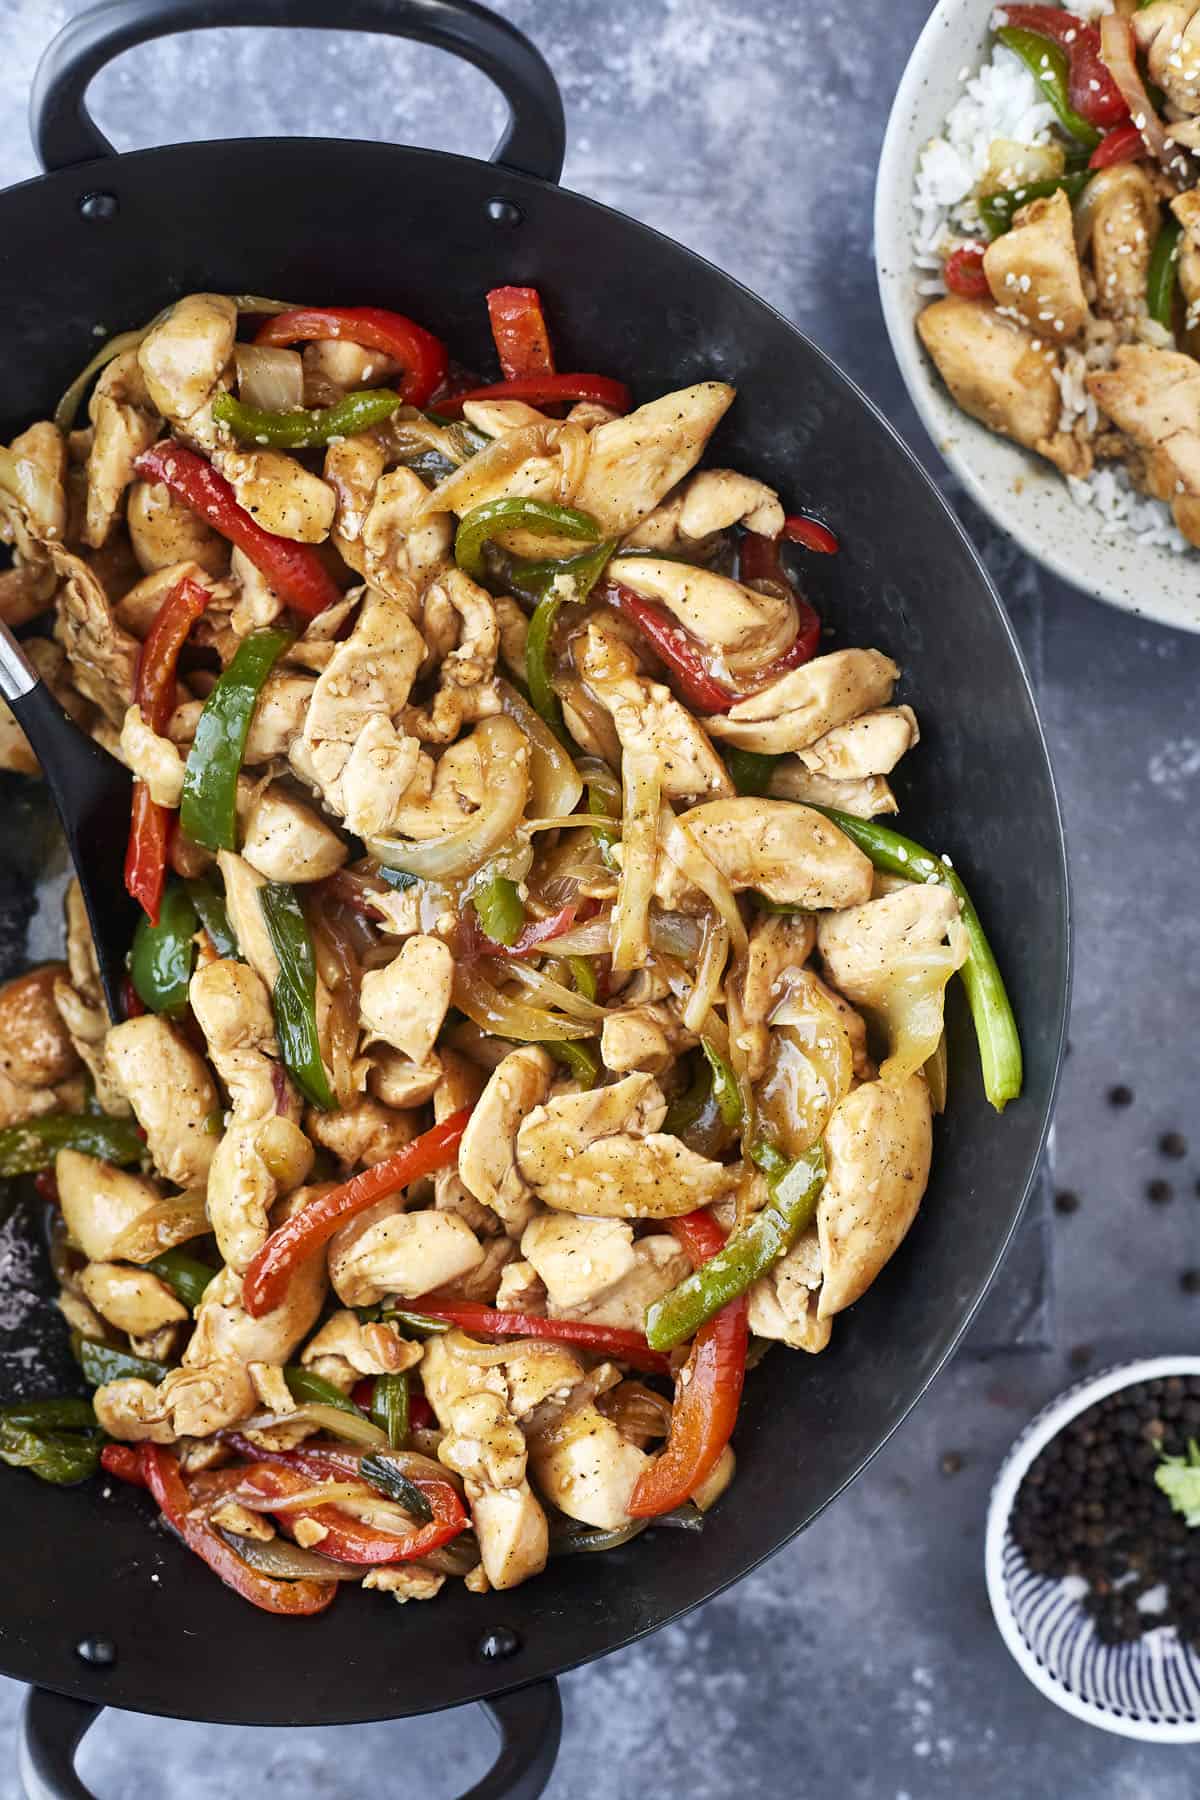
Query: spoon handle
[18, 676]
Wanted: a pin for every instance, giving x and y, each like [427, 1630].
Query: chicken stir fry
[1072, 319]
[529, 1022]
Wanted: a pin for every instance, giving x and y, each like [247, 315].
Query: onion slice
[504, 1017]
[1118, 51]
[280, 1557]
[555, 784]
[641, 789]
[506, 775]
[332, 1419]
[269, 377]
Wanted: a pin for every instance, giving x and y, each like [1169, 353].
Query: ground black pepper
[1089, 1507]
[1120, 1095]
[1065, 1201]
[1158, 1191]
[1173, 1144]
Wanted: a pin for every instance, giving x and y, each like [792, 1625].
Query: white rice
[1002, 100]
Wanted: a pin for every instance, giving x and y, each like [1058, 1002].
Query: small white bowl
[1149, 1688]
[1023, 494]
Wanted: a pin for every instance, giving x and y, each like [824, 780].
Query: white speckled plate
[1148, 1688]
[1024, 495]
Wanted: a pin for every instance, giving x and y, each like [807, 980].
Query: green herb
[393, 1482]
[1178, 1477]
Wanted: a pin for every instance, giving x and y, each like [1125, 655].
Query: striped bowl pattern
[1147, 1689]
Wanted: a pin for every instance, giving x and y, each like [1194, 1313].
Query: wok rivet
[99, 207]
[501, 1641]
[101, 1652]
[505, 212]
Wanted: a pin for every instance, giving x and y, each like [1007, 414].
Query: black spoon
[92, 792]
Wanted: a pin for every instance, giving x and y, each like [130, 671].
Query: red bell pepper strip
[316, 1462]
[1092, 91]
[421, 356]
[798, 528]
[963, 274]
[606, 1340]
[123, 1462]
[759, 560]
[46, 1183]
[675, 648]
[348, 1539]
[420, 1413]
[306, 1232]
[294, 570]
[474, 941]
[154, 692]
[708, 1391]
[160, 1473]
[519, 329]
[547, 390]
[363, 1392]
[1125, 144]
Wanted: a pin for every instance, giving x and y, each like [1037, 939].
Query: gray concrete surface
[862, 1662]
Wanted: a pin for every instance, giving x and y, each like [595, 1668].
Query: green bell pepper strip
[306, 1387]
[389, 1408]
[294, 1000]
[584, 976]
[579, 1058]
[306, 429]
[27, 1148]
[185, 1275]
[101, 1363]
[747, 1254]
[392, 1481]
[550, 582]
[997, 210]
[991, 1009]
[725, 1090]
[500, 910]
[64, 1459]
[211, 910]
[686, 1107]
[1048, 65]
[208, 810]
[163, 955]
[416, 1321]
[750, 771]
[65, 1414]
[1163, 274]
[542, 517]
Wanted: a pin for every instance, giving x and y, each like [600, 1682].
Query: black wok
[113, 239]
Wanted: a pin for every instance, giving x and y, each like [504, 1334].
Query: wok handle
[529, 1722]
[64, 132]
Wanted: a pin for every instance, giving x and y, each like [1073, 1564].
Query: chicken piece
[35, 1048]
[442, 795]
[658, 1266]
[778, 947]
[233, 1009]
[513, 628]
[242, 887]
[1125, 225]
[134, 1300]
[138, 608]
[602, 1154]
[747, 629]
[125, 424]
[994, 373]
[577, 1259]
[400, 549]
[870, 798]
[784, 1303]
[487, 1154]
[802, 706]
[460, 1085]
[184, 357]
[588, 1468]
[225, 1331]
[405, 1581]
[650, 721]
[276, 724]
[372, 1349]
[285, 840]
[405, 1003]
[398, 1082]
[1168, 33]
[255, 1161]
[333, 367]
[171, 1093]
[81, 1006]
[368, 677]
[646, 1037]
[190, 1403]
[16, 752]
[99, 1202]
[870, 745]
[877, 1152]
[353, 468]
[457, 616]
[363, 1133]
[788, 853]
[633, 461]
[103, 657]
[33, 496]
[1154, 397]
[256, 603]
[893, 957]
[163, 531]
[279, 493]
[708, 502]
[1033, 269]
[27, 588]
[484, 1443]
[388, 1251]
[152, 759]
